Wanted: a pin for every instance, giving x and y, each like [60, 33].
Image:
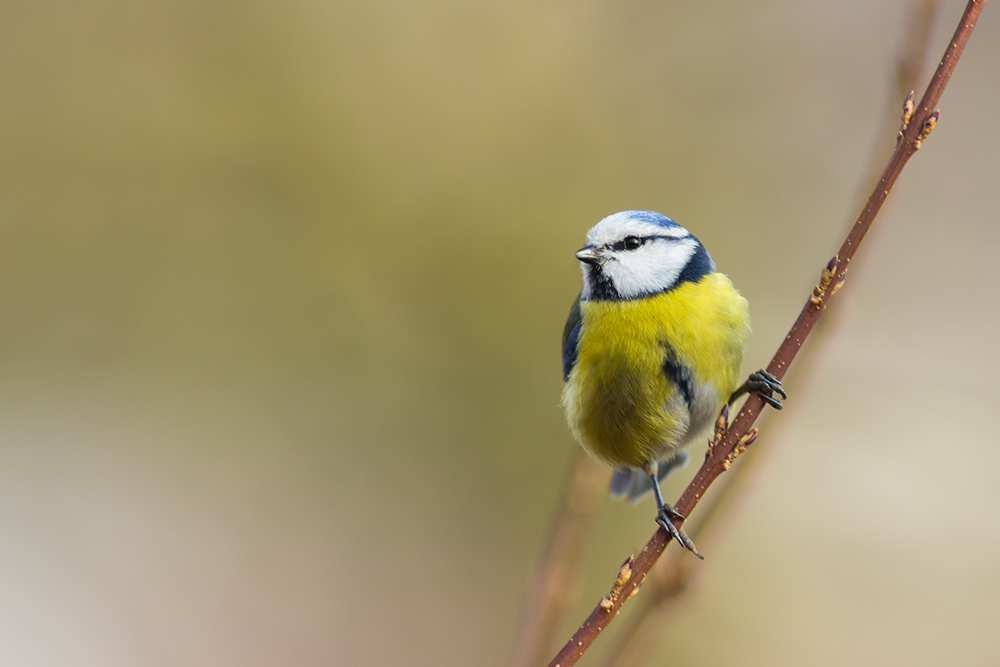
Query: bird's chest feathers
[652, 371]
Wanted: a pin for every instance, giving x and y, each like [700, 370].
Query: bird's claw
[766, 385]
[664, 519]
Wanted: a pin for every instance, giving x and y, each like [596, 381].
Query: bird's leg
[665, 512]
[763, 384]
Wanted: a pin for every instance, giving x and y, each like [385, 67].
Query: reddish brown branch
[674, 575]
[722, 451]
[554, 584]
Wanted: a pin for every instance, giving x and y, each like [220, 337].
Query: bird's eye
[631, 242]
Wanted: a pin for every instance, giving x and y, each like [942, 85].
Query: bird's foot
[665, 518]
[766, 385]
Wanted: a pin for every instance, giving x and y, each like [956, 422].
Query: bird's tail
[634, 484]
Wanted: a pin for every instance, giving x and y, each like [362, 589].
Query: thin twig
[673, 576]
[555, 581]
[726, 448]
[910, 71]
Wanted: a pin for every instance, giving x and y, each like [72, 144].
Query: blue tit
[652, 350]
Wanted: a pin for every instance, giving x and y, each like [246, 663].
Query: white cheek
[651, 269]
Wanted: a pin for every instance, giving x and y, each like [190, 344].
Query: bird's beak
[588, 255]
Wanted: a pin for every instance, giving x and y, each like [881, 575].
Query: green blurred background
[281, 292]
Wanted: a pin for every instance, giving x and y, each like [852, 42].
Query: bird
[652, 350]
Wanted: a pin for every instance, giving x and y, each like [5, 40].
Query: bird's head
[632, 254]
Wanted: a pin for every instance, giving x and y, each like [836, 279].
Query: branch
[917, 124]
[553, 587]
[674, 576]
[910, 72]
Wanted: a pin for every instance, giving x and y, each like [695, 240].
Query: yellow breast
[619, 402]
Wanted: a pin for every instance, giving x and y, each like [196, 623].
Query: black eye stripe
[642, 240]
[630, 242]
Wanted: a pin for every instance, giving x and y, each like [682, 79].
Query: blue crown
[651, 217]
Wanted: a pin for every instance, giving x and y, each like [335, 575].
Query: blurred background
[281, 293]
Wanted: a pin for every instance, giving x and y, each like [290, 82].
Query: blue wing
[571, 338]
